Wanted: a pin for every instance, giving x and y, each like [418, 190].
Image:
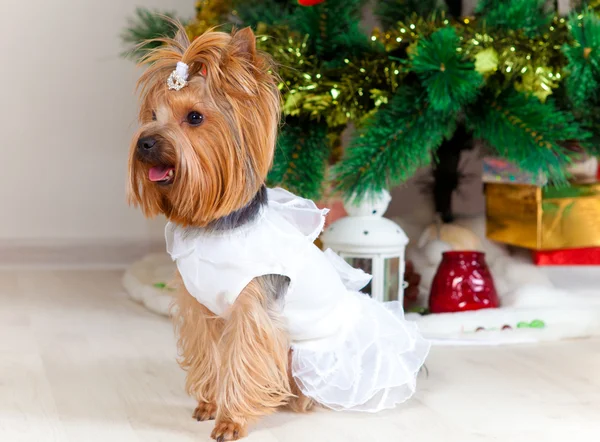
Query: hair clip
[178, 78]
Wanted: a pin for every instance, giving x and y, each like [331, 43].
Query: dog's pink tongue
[159, 173]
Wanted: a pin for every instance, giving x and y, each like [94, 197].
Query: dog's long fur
[238, 368]
[222, 164]
[253, 378]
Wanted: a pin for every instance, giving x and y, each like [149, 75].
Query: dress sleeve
[302, 213]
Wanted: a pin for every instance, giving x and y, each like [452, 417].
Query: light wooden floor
[79, 362]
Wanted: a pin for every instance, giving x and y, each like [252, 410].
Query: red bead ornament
[310, 2]
[462, 282]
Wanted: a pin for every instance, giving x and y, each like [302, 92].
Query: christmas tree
[417, 91]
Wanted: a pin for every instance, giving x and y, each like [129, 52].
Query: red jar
[462, 282]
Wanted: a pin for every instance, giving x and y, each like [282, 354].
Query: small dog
[201, 157]
[264, 318]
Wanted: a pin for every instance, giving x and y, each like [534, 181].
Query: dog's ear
[243, 43]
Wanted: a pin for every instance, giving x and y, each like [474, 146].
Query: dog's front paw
[205, 411]
[227, 430]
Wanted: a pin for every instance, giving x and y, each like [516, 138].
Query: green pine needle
[530, 16]
[398, 141]
[391, 12]
[301, 158]
[451, 80]
[143, 26]
[591, 124]
[334, 29]
[583, 57]
[527, 132]
[268, 12]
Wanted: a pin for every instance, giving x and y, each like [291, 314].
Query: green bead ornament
[537, 323]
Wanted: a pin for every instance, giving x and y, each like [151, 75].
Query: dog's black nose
[146, 143]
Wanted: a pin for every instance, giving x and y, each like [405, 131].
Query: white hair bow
[178, 78]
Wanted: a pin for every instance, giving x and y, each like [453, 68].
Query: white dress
[348, 351]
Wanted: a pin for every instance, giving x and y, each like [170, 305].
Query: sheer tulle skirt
[372, 365]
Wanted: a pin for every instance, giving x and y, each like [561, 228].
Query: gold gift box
[543, 218]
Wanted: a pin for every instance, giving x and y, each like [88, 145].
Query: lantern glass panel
[365, 264]
[391, 279]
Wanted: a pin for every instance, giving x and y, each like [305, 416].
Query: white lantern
[367, 240]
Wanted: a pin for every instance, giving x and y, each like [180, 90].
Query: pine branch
[334, 28]
[529, 16]
[143, 26]
[526, 132]
[398, 141]
[583, 56]
[268, 12]
[390, 12]
[301, 158]
[590, 124]
[450, 80]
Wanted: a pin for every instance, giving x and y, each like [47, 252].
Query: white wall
[67, 113]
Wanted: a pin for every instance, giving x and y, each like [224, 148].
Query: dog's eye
[195, 118]
[153, 116]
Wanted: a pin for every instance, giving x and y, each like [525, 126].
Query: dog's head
[209, 115]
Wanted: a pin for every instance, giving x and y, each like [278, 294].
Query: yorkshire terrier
[209, 115]
[201, 157]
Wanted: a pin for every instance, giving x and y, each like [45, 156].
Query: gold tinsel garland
[351, 92]
[355, 91]
[209, 14]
